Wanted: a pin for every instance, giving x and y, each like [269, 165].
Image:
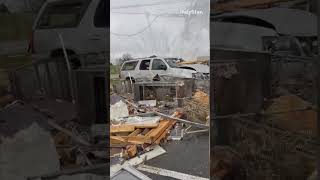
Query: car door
[144, 71]
[159, 67]
[98, 32]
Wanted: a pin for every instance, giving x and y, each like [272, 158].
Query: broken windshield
[171, 62]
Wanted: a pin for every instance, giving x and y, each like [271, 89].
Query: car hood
[197, 67]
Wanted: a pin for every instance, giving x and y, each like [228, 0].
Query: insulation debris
[29, 153]
[118, 110]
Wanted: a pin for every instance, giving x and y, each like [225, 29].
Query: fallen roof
[286, 21]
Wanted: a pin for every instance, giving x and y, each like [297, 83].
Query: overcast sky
[164, 35]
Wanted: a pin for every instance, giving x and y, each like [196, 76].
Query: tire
[132, 79]
[75, 63]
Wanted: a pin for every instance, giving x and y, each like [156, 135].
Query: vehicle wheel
[132, 79]
[75, 63]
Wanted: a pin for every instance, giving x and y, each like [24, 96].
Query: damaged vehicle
[296, 29]
[155, 68]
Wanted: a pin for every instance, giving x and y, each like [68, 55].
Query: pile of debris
[198, 107]
[137, 135]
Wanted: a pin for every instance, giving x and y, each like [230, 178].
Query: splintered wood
[131, 137]
[198, 107]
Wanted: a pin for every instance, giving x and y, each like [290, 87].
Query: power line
[141, 31]
[144, 5]
[141, 13]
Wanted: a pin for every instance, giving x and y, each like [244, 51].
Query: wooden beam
[132, 150]
[164, 134]
[122, 128]
[135, 132]
[131, 128]
[130, 139]
[156, 132]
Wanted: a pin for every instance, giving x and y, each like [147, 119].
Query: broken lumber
[132, 150]
[130, 128]
[155, 133]
[136, 132]
[122, 128]
[165, 133]
[200, 125]
[156, 151]
[130, 139]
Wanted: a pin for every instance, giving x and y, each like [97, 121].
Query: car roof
[138, 59]
[286, 21]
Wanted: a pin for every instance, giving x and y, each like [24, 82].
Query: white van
[146, 69]
[83, 25]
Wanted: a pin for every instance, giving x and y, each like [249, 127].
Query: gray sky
[163, 35]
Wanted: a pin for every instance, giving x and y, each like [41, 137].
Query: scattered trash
[154, 152]
[148, 103]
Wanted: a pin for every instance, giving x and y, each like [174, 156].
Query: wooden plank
[131, 128]
[132, 150]
[135, 132]
[145, 131]
[163, 128]
[156, 133]
[122, 128]
[130, 139]
[164, 134]
[153, 125]
[157, 151]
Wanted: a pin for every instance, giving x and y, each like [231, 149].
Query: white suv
[83, 25]
[148, 68]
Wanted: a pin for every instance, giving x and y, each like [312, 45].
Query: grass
[16, 26]
[114, 69]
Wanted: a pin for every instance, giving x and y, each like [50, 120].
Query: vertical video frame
[159, 89]
[265, 90]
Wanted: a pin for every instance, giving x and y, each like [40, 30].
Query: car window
[158, 64]
[63, 14]
[128, 66]
[100, 17]
[145, 64]
[171, 62]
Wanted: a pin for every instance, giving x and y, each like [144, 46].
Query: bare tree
[125, 57]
